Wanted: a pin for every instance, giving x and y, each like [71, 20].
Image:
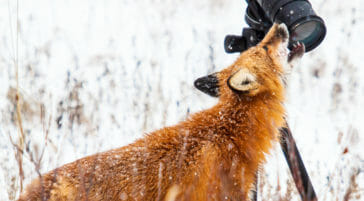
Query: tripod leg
[295, 163]
[255, 190]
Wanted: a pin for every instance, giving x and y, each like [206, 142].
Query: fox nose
[282, 32]
[278, 33]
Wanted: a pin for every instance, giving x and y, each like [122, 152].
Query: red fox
[213, 155]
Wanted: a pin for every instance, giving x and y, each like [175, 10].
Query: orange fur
[213, 155]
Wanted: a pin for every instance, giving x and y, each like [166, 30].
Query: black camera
[302, 22]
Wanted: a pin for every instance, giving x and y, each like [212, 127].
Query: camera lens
[302, 22]
[304, 31]
[310, 32]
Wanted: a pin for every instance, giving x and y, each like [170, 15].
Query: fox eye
[265, 47]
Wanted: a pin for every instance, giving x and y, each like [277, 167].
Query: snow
[110, 71]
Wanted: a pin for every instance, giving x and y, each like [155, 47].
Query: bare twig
[20, 144]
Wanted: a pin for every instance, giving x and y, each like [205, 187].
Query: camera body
[302, 22]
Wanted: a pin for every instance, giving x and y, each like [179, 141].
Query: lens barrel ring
[279, 5]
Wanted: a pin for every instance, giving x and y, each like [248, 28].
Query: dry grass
[353, 191]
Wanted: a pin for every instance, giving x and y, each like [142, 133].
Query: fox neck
[250, 124]
[253, 114]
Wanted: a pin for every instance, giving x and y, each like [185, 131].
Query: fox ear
[208, 84]
[243, 81]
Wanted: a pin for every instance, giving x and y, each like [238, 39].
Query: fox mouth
[298, 49]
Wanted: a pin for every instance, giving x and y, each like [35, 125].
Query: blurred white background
[95, 75]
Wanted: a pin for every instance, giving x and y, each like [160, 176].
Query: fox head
[258, 71]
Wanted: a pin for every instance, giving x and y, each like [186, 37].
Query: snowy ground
[95, 75]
